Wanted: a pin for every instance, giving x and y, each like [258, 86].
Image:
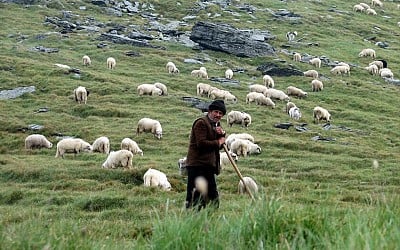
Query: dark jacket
[203, 147]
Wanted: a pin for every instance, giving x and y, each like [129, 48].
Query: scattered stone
[44, 49]
[320, 138]
[42, 110]
[285, 125]
[14, 93]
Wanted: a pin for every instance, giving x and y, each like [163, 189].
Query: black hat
[218, 105]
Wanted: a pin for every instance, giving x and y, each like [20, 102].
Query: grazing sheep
[102, 145]
[277, 94]
[199, 73]
[316, 62]
[156, 178]
[293, 91]
[171, 68]
[297, 57]
[320, 113]
[232, 137]
[37, 141]
[203, 89]
[311, 73]
[223, 95]
[268, 81]
[250, 184]
[121, 158]
[372, 69]
[358, 8]
[376, 3]
[237, 117]
[164, 89]
[258, 88]
[386, 73]
[291, 35]
[252, 96]
[265, 101]
[148, 89]
[149, 125]
[132, 146]
[224, 159]
[340, 70]
[244, 147]
[371, 12]
[294, 113]
[182, 166]
[72, 145]
[367, 52]
[86, 60]
[203, 69]
[228, 74]
[366, 6]
[289, 105]
[317, 85]
[81, 94]
[111, 63]
[378, 63]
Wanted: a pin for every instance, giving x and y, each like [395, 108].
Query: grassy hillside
[314, 194]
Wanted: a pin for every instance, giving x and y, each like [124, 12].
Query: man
[206, 139]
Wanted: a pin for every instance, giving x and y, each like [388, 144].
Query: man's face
[215, 115]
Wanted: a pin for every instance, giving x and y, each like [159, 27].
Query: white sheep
[148, 89]
[289, 105]
[367, 52]
[149, 125]
[386, 73]
[250, 184]
[86, 60]
[297, 57]
[264, 101]
[182, 166]
[102, 145]
[358, 8]
[376, 3]
[277, 94]
[224, 159]
[372, 69]
[320, 113]
[377, 63]
[238, 117]
[222, 94]
[121, 158]
[163, 87]
[268, 81]
[294, 113]
[366, 6]
[311, 73]
[251, 97]
[232, 137]
[131, 145]
[294, 91]
[156, 178]
[37, 141]
[111, 63]
[371, 12]
[291, 35]
[244, 147]
[72, 145]
[340, 70]
[81, 95]
[317, 85]
[199, 73]
[316, 62]
[258, 88]
[203, 89]
[171, 68]
[203, 69]
[228, 74]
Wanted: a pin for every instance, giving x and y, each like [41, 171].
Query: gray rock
[14, 93]
[274, 69]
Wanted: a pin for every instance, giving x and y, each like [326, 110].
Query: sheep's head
[182, 166]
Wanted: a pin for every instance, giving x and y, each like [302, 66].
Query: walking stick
[237, 171]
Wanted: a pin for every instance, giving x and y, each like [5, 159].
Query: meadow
[339, 194]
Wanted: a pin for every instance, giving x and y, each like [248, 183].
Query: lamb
[277, 94]
[156, 178]
[121, 158]
[86, 60]
[244, 147]
[171, 68]
[320, 113]
[164, 89]
[148, 89]
[377, 63]
[252, 96]
[386, 73]
[101, 145]
[291, 35]
[358, 8]
[203, 69]
[232, 137]
[294, 113]
[366, 6]
[367, 52]
[149, 125]
[376, 3]
[111, 63]
[372, 69]
[311, 73]
[37, 141]
[72, 145]
[222, 94]
[258, 88]
[371, 12]
[203, 89]
[131, 146]
[237, 117]
[316, 62]
[229, 74]
[289, 105]
[81, 94]
[268, 81]
[263, 100]
[199, 73]
[297, 57]
[250, 184]
[340, 70]
[182, 166]
[224, 159]
[293, 91]
[317, 85]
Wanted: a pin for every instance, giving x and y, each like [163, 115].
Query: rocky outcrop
[274, 69]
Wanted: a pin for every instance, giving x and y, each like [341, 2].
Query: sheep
[37, 141]
[277, 94]
[148, 89]
[86, 60]
[72, 145]
[366, 6]
[297, 57]
[224, 159]
[311, 73]
[340, 70]
[102, 145]
[121, 158]
[222, 94]
[386, 73]
[203, 89]
[371, 12]
[294, 113]
[376, 3]
[203, 69]
[378, 63]
[252, 96]
[132, 146]
[149, 125]
[229, 74]
[156, 178]
[358, 8]
[258, 88]
[111, 63]
[289, 105]
[268, 81]
[317, 85]
[372, 69]
[81, 94]
[232, 137]
[171, 68]
[199, 73]
[237, 117]
[291, 35]
[320, 113]
[263, 100]
[293, 91]
[367, 52]
[316, 62]
[250, 184]
[182, 166]
[244, 147]
[164, 89]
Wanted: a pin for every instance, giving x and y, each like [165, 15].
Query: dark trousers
[193, 198]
